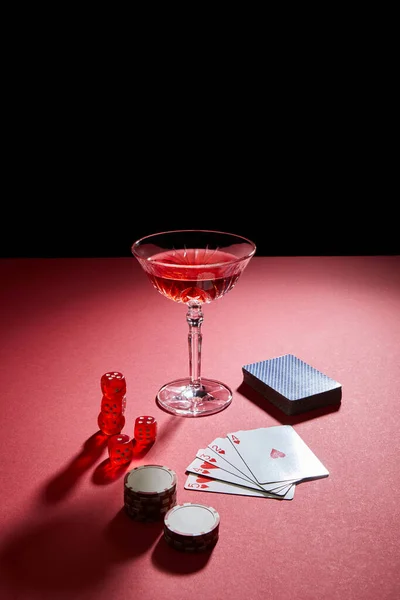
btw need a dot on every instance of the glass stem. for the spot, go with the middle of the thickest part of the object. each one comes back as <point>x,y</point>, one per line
<point>194,317</point>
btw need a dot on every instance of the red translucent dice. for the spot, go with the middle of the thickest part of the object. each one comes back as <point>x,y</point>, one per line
<point>111,424</point>
<point>120,449</point>
<point>145,430</point>
<point>115,406</point>
<point>113,384</point>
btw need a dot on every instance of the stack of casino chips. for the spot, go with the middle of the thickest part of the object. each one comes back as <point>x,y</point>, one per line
<point>149,492</point>
<point>191,527</point>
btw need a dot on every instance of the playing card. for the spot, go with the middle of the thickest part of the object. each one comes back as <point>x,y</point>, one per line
<point>216,463</point>
<point>205,484</point>
<point>211,470</point>
<point>277,454</point>
<point>216,459</point>
<point>225,450</point>
<point>222,448</point>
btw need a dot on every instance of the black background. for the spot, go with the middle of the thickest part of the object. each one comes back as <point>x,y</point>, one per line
<point>106,219</point>
<point>100,208</point>
<point>77,190</point>
<point>102,147</point>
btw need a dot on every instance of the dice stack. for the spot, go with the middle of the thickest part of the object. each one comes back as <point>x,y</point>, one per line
<point>111,419</point>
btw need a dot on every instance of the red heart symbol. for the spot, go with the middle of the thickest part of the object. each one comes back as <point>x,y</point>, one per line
<point>202,479</point>
<point>221,451</point>
<point>208,466</point>
<point>204,486</point>
<point>277,453</point>
<point>205,472</point>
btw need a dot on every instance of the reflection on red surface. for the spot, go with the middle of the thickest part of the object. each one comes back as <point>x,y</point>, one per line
<point>107,472</point>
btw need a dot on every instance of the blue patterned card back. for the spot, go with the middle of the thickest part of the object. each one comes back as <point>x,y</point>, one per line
<point>292,384</point>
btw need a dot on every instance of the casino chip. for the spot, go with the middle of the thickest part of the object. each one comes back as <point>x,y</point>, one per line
<point>191,527</point>
<point>149,492</point>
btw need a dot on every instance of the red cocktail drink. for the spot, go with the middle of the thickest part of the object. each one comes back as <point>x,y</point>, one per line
<point>196,274</point>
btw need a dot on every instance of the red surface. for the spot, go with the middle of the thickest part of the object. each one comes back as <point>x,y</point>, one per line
<point>64,534</point>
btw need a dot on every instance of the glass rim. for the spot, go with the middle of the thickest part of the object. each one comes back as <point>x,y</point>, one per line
<point>215,231</point>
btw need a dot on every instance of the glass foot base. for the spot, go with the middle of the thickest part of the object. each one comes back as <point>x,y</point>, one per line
<point>180,398</point>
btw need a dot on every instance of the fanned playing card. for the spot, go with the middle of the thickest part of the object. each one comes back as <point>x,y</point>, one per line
<point>223,448</point>
<point>206,484</point>
<point>212,471</point>
<point>277,454</point>
<point>265,462</point>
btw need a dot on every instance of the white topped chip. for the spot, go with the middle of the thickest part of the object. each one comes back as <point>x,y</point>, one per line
<point>150,479</point>
<point>192,519</point>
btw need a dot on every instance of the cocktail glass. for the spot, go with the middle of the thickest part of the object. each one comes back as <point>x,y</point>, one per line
<point>194,267</point>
